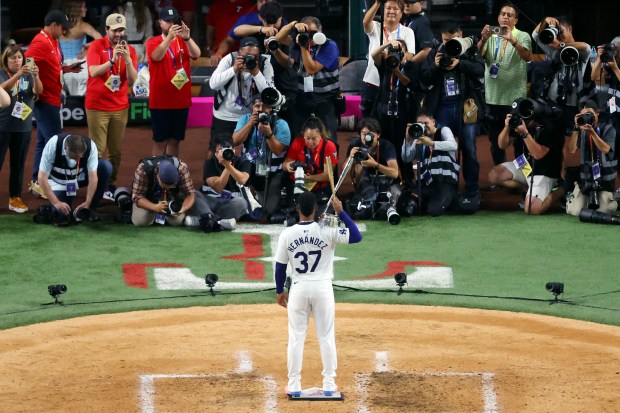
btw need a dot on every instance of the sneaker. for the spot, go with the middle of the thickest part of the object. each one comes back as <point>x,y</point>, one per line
<point>329,387</point>
<point>36,190</point>
<point>293,388</point>
<point>16,204</point>
<point>191,221</point>
<point>229,224</point>
<point>108,195</point>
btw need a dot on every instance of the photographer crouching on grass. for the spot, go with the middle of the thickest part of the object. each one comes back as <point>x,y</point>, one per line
<point>374,174</point>
<point>538,141</point>
<point>434,150</point>
<point>68,163</point>
<point>597,162</point>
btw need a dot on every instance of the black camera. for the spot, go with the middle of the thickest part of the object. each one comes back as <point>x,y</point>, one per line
<point>528,108</point>
<point>515,121</point>
<point>272,44</point>
<point>81,214</point>
<point>592,188</point>
<point>250,61</point>
<point>264,118</point>
<point>297,164</point>
<point>609,52</point>
<point>56,289</point>
<point>286,216</point>
<point>174,206</point>
<point>303,39</point>
<point>394,57</point>
<point>548,35</point>
<point>585,119</point>
<point>228,153</point>
<point>417,130</point>
<point>597,217</point>
<point>361,154</point>
<point>445,61</point>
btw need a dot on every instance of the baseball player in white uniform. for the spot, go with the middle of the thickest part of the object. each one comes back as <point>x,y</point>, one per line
<point>309,249</point>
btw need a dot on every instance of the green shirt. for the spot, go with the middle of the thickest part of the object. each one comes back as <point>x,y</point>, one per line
<point>511,81</point>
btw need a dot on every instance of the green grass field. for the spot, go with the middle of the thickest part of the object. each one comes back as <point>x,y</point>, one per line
<point>498,260</point>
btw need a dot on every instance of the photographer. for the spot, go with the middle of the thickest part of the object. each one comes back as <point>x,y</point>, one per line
<point>453,85</point>
<point>374,173</point>
<point>569,61</point>
<point>393,11</point>
<point>308,152</point>
<point>395,75</point>
<point>506,51</point>
<point>112,68</point>
<point>159,182</point>
<point>267,25</point>
<point>538,151</point>
<point>316,59</point>
<point>265,138</point>
<point>170,85</point>
<point>597,162</point>
<point>435,152</point>
<point>238,80</point>
<point>68,163</point>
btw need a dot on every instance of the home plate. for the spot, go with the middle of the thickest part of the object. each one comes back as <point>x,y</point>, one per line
<point>314,393</point>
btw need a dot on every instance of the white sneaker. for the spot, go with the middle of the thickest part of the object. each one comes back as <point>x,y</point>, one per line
<point>293,388</point>
<point>229,224</point>
<point>191,221</point>
<point>329,387</point>
<point>108,195</point>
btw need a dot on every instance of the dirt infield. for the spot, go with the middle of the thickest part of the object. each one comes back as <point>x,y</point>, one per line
<point>233,359</point>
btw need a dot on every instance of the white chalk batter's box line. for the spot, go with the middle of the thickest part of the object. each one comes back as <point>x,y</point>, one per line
<point>147,383</point>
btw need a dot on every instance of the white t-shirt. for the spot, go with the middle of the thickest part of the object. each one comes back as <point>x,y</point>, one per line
<point>402,32</point>
<point>309,248</point>
<point>49,155</point>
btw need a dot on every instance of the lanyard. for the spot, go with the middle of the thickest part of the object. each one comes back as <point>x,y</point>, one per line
<point>592,150</point>
<point>314,162</point>
<point>173,58</point>
<point>501,56</point>
<point>58,51</point>
<point>387,34</point>
<point>18,87</point>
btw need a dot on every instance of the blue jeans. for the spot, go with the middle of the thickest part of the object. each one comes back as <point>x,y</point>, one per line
<point>451,117</point>
<point>48,125</point>
<point>104,171</point>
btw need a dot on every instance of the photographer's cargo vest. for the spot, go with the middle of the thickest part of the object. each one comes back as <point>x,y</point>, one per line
<point>61,172</point>
<point>608,163</point>
<point>442,166</point>
<point>220,93</point>
<point>273,161</point>
<point>150,166</point>
<point>325,84</point>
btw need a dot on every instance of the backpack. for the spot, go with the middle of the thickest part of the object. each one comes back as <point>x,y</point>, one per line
<point>221,93</point>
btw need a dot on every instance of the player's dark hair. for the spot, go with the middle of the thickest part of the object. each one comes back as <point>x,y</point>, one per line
<point>450,26</point>
<point>271,12</point>
<point>315,123</point>
<point>306,203</point>
<point>372,124</point>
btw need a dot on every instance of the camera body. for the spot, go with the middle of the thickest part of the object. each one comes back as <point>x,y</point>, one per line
<point>361,155</point>
<point>585,119</point>
<point>515,121</point>
<point>263,118</point>
<point>303,39</point>
<point>609,52</point>
<point>394,57</point>
<point>417,130</point>
<point>272,44</point>
<point>228,153</point>
<point>445,61</point>
<point>250,61</point>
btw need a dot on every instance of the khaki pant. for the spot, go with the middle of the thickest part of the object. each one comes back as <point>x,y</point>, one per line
<point>579,201</point>
<point>141,217</point>
<point>107,130</point>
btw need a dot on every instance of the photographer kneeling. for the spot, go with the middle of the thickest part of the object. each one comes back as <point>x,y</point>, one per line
<point>435,152</point>
<point>374,173</point>
<point>69,162</point>
<point>538,151</point>
<point>305,162</point>
<point>597,162</point>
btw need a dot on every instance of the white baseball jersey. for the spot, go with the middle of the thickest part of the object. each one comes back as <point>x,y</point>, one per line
<point>308,248</point>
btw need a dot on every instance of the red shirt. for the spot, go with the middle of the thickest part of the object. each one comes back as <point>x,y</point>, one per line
<point>98,95</point>
<point>297,152</point>
<point>46,53</point>
<point>163,94</point>
<point>223,14</point>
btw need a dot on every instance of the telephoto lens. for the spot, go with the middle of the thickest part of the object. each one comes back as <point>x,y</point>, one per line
<point>228,154</point>
<point>417,130</point>
<point>548,35</point>
<point>81,214</point>
<point>392,216</point>
<point>272,44</point>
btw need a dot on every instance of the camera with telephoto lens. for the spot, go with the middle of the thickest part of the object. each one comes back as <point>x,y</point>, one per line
<point>592,188</point>
<point>392,215</point>
<point>303,39</point>
<point>609,52</point>
<point>598,217</point>
<point>361,154</point>
<point>228,153</point>
<point>417,130</point>
<point>264,118</point>
<point>585,119</point>
<point>81,214</point>
<point>272,97</point>
<point>569,55</point>
<point>300,177</point>
<point>250,61</point>
<point>272,44</point>
<point>528,108</point>
<point>394,57</point>
<point>548,35</point>
<point>458,46</point>
<point>174,206</point>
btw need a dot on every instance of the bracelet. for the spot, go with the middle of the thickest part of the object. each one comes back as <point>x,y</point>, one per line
<point>260,30</point>
<point>524,136</point>
<point>187,40</point>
